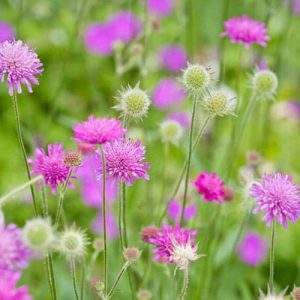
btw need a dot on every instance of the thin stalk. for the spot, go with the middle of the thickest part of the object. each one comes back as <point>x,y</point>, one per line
<point>272,255</point>
<point>187,177</point>
<point>82,280</point>
<point>18,189</point>
<point>61,198</point>
<point>123,197</point>
<point>164,171</point>
<point>50,274</point>
<point>119,276</point>
<point>185,284</point>
<point>23,150</point>
<point>120,217</point>
<point>104,216</point>
<point>73,271</point>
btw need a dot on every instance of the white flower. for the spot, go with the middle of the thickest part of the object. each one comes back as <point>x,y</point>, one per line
<point>272,295</point>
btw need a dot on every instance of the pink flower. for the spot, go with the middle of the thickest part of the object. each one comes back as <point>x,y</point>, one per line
<point>51,166</point>
<point>246,31</point>
<point>6,32</point>
<point>160,8</point>
<point>112,228</point>
<point>173,58</point>
<point>98,131</point>
<point>168,239</point>
<point>295,5</point>
<point>125,160</point>
<point>174,211</point>
<point>9,291</point>
<point>210,186</point>
<point>278,197</point>
<point>181,117</point>
<point>19,64</point>
<point>14,255</point>
<point>167,93</point>
<point>253,249</point>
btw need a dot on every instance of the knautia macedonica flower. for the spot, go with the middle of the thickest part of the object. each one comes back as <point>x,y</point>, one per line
<point>246,31</point>
<point>252,250</point>
<point>175,245</point>
<point>38,235</point>
<point>278,197</point>
<point>271,295</point>
<point>265,84</point>
<point>98,131</point>
<point>14,254</point>
<point>19,64</point>
<point>9,290</point>
<point>6,32</point>
<point>174,211</point>
<point>219,103</point>
<point>50,165</point>
<point>148,233</point>
<point>133,103</point>
<point>168,93</point>
<point>210,186</point>
<point>125,160</point>
<point>171,132</point>
<point>173,58</point>
<point>196,79</point>
<point>160,8</point>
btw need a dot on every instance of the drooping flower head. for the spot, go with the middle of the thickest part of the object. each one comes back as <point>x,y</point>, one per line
<point>14,255</point>
<point>246,31</point>
<point>160,8</point>
<point>98,131</point>
<point>6,32</point>
<point>19,64</point>
<point>173,58</point>
<point>278,197</point>
<point>168,93</point>
<point>210,186</point>
<point>174,211</point>
<point>125,160</point>
<point>50,165</point>
<point>253,249</point>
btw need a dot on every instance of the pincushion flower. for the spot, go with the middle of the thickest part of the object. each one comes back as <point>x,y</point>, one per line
<point>19,64</point>
<point>253,249</point>
<point>98,131</point>
<point>246,31</point>
<point>6,32</point>
<point>173,58</point>
<point>210,186</point>
<point>51,166</point>
<point>14,255</point>
<point>278,197</point>
<point>125,160</point>
<point>160,8</point>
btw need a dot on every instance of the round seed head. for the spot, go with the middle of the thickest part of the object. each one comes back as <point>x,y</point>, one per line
<point>265,84</point>
<point>171,132</point>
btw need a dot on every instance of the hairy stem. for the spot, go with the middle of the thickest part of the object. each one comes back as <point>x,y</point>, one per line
<point>185,284</point>
<point>50,274</point>
<point>272,255</point>
<point>82,280</point>
<point>73,271</point>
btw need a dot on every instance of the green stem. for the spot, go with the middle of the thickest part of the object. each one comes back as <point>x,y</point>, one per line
<point>187,177</point>
<point>82,280</point>
<point>73,271</point>
<point>120,217</point>
<point>23,150</point>
<point>104,216</point>
<point>272,255</point>
<point>50,274</point>
<point>185,284</point>
<point>123,198</point>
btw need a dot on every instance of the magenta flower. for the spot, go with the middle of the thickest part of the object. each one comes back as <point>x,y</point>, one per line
<point>181,117</point>
<point>253,249</point>
<point>125,160</point>
<point>6,32</point>
<point>168,239</point>
<point>98,131</point>
<point>9,291</point>
<point>173,58</point>
<point>160,8</point>
<point>278,197</point>
<point>246,31</point>
<point>112,227</point>
<point>14,255</point>
<point>50,165</point>
<point>174,211</point>
<point>210,186</point>
<point>19,64</point>
<point>168,93</point>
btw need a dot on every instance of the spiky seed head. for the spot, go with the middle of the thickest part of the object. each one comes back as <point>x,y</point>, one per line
<point>131,254</point>
<point>133,103</point>
<point>72,158</point>
<point>271,295</point>
<point>38,234</point>
<point>144,295</point>
<point>265,84</point>
<point>171,132</point>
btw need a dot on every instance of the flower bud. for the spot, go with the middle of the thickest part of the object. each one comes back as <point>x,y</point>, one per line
<point>144,295</point>
<point>72,158</point>
<point>98,244</point>
<point>148,233</point>
<point>131,254</point>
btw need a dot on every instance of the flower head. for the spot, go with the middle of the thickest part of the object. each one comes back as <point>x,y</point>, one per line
<point>278,197</point>
<point>19,64</point>
<point>253,249</point>
<point>6,32</point>
<point>98,131</point>
<point>210,186</point>
<point>131,254</point>
<point>271,295</point>
<point>246,31</point>
<point>73,158</point>
<point>148,233</point>
<point>168,93</point>
<point>125,160</point>
<point>265,84</point>
<point>160,8</point>
<point>296,293</point>
<point>51,166</point>
<point>173,57</point>
<point>171,132</point>
<point>14,254</point>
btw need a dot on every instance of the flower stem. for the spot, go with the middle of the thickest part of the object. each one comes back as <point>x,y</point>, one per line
<point>272,255</point>
<point>185,284</point>
<point>123,199</point>
<point>73,271</point>
<point>23,150</point>
<point>82,280</point>
<point>188,161</point>
<point>50,275</point>
<point>120,218</point>
<point>104,215</point>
